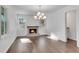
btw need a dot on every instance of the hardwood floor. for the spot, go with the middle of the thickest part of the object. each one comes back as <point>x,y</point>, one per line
<point>41,44</point>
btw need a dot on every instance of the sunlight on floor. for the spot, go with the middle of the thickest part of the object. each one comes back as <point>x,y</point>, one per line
<point>25,40</point>
<point>53,36</point>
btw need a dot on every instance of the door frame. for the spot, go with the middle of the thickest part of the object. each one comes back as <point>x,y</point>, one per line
<point>66,25</point>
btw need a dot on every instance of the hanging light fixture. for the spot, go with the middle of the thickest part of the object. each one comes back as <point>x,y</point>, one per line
<point>39,15</point>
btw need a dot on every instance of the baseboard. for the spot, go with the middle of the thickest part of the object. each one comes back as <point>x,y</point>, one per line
<point>71,39</point>
<point>63,40</point>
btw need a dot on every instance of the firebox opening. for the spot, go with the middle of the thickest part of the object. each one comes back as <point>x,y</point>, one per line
<point>32,31</point>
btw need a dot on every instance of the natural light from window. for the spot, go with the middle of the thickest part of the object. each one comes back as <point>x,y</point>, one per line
<point>25,40</point>
<point>53,36</point>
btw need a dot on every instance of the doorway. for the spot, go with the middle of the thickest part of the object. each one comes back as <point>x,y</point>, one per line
<point>70,25</point>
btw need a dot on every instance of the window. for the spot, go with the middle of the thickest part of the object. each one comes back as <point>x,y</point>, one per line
<point>3,16</point>
<point>21,19</point>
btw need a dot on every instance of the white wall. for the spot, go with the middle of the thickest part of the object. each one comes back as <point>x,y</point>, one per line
<point>11,20</point>
<point>30,21</point>
<point>8,38</point>
<point>77,26</point>
<point>0,27</point>
<point>56,22</point>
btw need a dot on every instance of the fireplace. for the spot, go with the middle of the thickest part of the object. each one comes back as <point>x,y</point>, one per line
<point>33,30</point>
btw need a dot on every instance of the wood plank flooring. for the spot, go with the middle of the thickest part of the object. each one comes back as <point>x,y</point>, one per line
<point>41,44</point>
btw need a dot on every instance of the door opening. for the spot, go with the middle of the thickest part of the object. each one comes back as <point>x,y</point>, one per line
<point>70,25</point>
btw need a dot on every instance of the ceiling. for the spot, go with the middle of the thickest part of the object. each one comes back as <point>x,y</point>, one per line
<point>31,9</point>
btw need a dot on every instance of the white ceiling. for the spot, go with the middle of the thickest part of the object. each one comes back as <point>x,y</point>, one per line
<point>31,9</point>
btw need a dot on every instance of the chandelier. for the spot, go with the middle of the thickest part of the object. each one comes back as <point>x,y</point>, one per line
<point>40,15</point>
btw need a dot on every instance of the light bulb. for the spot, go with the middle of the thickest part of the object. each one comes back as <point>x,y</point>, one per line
<point>39,18</point>
<point>42,14</point>
<point>38,13</point>
<point>35,17</point>
<point>44,17</point>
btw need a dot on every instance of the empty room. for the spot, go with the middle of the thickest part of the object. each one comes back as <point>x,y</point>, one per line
<point>39,29</point>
